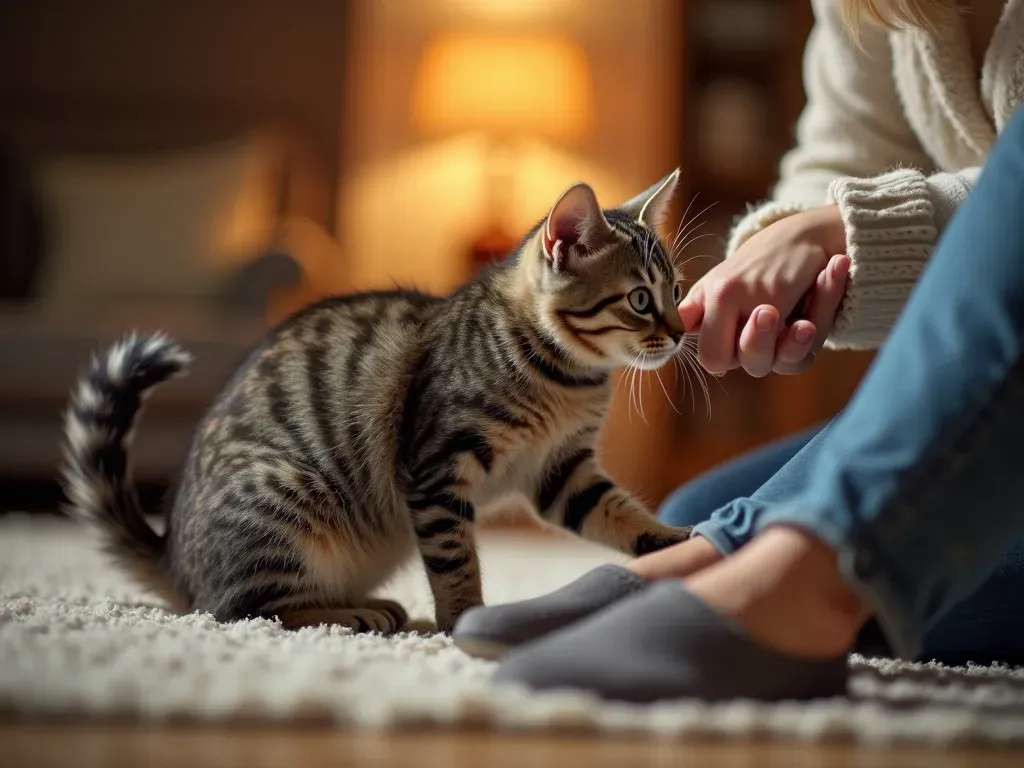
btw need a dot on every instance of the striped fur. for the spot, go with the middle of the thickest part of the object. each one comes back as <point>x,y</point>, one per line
<point>368,427</point>
<point>99,423</point>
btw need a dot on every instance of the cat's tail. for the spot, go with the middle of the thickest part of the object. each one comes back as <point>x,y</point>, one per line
<point>98,429</point>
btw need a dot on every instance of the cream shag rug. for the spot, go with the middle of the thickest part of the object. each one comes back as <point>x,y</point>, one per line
<point>76,638</point>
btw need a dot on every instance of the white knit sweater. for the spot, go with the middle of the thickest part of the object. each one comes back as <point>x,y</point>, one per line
<point>895,132</point>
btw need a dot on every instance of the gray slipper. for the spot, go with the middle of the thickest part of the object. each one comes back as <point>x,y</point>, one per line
<point>666,643</point>
<point>490,631</point>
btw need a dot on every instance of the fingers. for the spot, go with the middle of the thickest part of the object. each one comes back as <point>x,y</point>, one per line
<point>691,309</point>
<point>828,295</point>
<point>716,347</point>
<point>798,346</point>
<point>715,312</point>
<point>756,348</point>
<point>795,351</point>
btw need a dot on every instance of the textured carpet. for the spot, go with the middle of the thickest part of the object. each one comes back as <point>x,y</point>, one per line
<point>77,639</point>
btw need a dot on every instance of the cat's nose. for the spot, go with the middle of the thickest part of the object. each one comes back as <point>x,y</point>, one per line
<point>676,336</point>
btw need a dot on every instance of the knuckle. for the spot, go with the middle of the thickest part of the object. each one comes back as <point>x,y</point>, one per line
<point>714,368</point>
<point>757,371</point>
<point>712,358</point>
<point>723,287</point>
<point>791,367</point>
<point>713,364</point>
<point>790,355</point>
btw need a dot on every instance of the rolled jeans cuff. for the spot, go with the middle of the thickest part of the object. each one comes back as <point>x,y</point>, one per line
<point>732,526</point>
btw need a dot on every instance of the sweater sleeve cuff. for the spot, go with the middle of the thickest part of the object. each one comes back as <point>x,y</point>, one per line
<point>890,232</point>
<point>757,219</point>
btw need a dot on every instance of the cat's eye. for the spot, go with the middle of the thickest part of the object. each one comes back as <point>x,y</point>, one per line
<point>677,294</point>
<point>641,301</point>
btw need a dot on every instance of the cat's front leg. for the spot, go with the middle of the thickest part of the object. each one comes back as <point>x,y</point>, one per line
<point>443,523</point>
<point>577,495</point>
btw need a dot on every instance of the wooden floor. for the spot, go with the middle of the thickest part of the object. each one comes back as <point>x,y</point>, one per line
<point>82,745</point>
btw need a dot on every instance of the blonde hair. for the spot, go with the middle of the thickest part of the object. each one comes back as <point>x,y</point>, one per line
<point>895,14</point>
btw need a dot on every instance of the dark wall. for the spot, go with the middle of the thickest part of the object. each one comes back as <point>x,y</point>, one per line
<point>120,74</point>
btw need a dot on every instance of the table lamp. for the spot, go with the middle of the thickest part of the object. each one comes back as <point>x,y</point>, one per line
<point>510,87</point>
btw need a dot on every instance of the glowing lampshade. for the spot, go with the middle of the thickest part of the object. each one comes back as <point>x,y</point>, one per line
<point>505,85</point>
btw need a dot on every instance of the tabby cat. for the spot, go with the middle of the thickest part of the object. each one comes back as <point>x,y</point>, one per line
<point>367,426</point>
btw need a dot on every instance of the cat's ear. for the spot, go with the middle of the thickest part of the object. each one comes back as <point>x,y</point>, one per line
<point>575,227</point>
<point>651,205</point>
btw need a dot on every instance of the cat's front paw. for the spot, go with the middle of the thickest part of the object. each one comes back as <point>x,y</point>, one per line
<point>446,620</point>
<point>652,541</point>
<point>420,627</point>
<point>446,625</point>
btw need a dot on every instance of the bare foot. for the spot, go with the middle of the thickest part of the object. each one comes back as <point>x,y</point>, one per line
<point>676,562</point>
<point>786,589</point>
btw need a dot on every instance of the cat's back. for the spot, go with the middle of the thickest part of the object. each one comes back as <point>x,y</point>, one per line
<point>338,344</point>
<point>354,326</point>
<point>324,383</point>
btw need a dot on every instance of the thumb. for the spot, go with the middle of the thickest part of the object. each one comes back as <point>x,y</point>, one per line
<point>691,309</point>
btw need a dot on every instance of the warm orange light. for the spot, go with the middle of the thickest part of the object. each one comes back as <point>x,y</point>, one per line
<point>504,84</point>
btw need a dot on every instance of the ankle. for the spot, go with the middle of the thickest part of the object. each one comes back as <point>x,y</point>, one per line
<point>786,588</point>
<point>677,561</point>
<point>814,570</point>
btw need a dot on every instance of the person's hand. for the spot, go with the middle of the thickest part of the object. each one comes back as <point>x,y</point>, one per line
<point>765,346</point>
<point>739,305</point>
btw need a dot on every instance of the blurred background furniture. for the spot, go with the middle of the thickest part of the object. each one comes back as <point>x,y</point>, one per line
<point>206,166</point>
<point>742,69</point>
<point>163,166</point>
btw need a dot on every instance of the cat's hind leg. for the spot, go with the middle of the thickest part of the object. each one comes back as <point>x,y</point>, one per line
<point>384,616</point>
<point>296,610</point>
<point>276,542</point>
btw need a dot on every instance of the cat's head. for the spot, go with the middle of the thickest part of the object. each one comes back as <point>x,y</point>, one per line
<point>604,284</point>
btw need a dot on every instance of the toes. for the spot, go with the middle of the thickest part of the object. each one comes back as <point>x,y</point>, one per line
<point>397,612</point>
<point>372,620</point>
<point>387,617</point>
<point>397,615</point>
<point>421,626</point>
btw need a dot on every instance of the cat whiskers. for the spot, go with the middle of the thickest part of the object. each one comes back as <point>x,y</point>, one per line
<point>671,402</point>
<point>630,375</point>
<point>688,233</point>
<point>687,227</point>
<point>692,370</point>
<point>636,383</point>
<point>695,257</point>
<point>690,241</point>
<point>682,221</point>
<point>682,373</point>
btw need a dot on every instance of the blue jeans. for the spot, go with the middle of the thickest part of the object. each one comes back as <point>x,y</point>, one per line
<point>986,626</point>
<point>914,484</point>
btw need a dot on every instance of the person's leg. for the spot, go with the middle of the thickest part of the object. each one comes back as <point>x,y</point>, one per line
<point>909,504</point>
<point>981,628</point>
<point>490,631</point>
<point>750,473</point>
<point>984,627</point>
<point>731,495</point>
<point>885,444</point>
<point>917,488</point>
<point>988,625</point>
<point>749,481</point>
